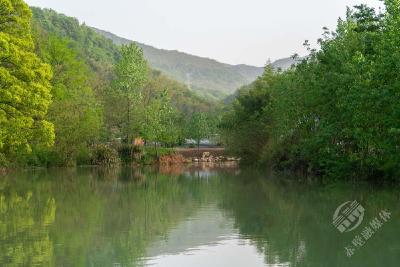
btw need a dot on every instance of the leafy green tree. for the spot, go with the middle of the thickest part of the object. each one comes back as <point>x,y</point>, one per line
<point>161,121</point>
<point>100,55</point>
<point>244,126</point>
<point>131,72</point>
<point>75,111</point>
<point>24,83</point>
<point>337,112</point>
<point>198,127</point>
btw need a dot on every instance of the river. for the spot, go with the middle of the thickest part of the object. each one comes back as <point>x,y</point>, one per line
<point>206,216</point>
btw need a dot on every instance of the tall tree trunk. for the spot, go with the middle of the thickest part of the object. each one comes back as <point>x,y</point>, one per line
<point>129,121</point>
<point>128,130</point>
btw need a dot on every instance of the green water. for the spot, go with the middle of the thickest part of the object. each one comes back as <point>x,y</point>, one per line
<point>192,216</point>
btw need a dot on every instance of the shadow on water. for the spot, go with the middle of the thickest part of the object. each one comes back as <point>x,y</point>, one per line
<point>188,215</point>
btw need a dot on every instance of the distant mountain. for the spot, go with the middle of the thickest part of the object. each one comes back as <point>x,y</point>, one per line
<point>281,64</point>
<point>285,63</point>
<point>205,76</point>
<point>101,54</point>
<point>202,74</point>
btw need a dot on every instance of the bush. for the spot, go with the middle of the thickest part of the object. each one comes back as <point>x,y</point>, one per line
<point>104,155</point>
<point>40,157</point>
<point>130,153</point>
<point>160,151</point>
<point>3,160</point>
<point>151,154</point>
<point>84,156</point>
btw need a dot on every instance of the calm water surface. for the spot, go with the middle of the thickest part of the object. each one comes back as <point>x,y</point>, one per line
<point>189,216</point>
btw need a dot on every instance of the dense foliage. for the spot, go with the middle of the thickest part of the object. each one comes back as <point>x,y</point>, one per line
<point>200,126</point>
<point>337,112</point>
<point>206,76</point>
<point>24,85</point>
<point>75,112</point>
<point>100,54</point>
<point>67,91</point>
<point>131,74</point>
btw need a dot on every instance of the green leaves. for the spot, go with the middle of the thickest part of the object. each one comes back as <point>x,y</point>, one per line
<point>337,112</point>
<point>131,70</point>
<point>199,127</point>
<point>75,111</point>
<point>25,83</point>
<point>161,120</point>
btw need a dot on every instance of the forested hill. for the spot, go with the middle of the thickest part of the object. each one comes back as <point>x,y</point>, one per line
<point>101,54</point>
<point>205,75</point>
<point>208,76</point>
<point>70,96</point>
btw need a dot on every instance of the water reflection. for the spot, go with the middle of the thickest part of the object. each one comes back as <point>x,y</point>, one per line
<point>184,216</point>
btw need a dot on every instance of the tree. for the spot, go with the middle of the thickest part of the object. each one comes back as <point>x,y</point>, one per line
<point>131,72</point>
<point>24,83</point>
<point>244,126</point>
<point>198,127</point>
<point>335,113</point>
<point>160,123</point>
<point>75,112</point>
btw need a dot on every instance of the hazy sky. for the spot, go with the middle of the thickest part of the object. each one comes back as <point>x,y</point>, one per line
<point>231,31</point>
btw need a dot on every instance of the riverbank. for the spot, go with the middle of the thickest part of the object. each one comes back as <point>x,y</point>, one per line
<point>190,155</point>
<point>104,155</point>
